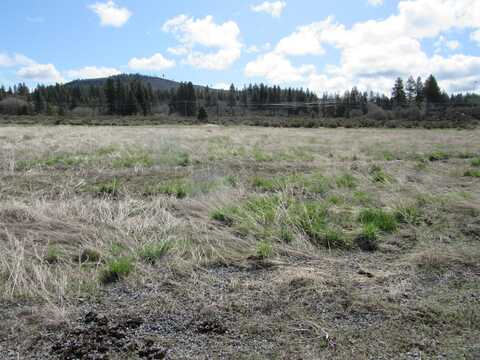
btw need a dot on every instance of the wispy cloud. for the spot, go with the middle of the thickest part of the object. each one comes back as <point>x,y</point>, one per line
<point>273,8</point>
<point>111,14</point>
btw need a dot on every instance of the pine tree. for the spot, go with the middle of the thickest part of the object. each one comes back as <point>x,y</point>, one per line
<point>232,96</point>
<point>110,95</point>
<point>420,92</point>
<point>432,91</point>
<point>398,93</point>
<point>202,114</point>
<point>411,88</point>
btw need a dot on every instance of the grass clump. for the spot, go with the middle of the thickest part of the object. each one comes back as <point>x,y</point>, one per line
<point>265,184</point>
<point>116,269</point>
<point>53,255</point>
<point>264,249</point>
<point>110,188</point>
<point>438,156</point>
<point>224,215</point>
<point>383,220</point>
<point>312,219</point>
<point>151,253</point>
<point>408,214</point>
<point>472,173</point>
<point>368,239</point>
<point>89,255</point>
<point>362,198</point>
<point>347,181</point>
<point>132,159</point>
<point>379,175</point>
<point>475,162</point>
<point>177,188</point>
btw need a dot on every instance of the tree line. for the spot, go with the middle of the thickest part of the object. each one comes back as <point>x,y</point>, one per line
<point>128,95</point>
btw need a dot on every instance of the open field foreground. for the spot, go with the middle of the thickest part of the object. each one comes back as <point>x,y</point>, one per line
<point>239,243</point>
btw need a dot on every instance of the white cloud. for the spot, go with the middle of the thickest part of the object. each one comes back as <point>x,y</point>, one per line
<point>277,68</point>
<point>178,51</point>
<point>111,14</point>
<point>46,73</point>
<point>443,44</point>
<point>14,60</point>
<point>274,8</point>
<point>375,2</point>
<point>475,36</point>
<point>155,63</point>
<point>222,86</point>
<point>92,72</point>
<point>373,52</point>
<point>192,33</point>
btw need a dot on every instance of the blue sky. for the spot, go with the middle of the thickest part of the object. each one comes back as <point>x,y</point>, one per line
<point>326,46</point>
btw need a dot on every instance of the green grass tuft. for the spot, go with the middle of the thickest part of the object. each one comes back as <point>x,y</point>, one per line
<point>379,175</point>
<point>408,214</point>
<point>472,173</point>
<point>53,255</point>
<point>264,249</point>
<point>475,162</point>
<point>110,188</point>
<point>383,220</point>
<point>116,269</point>
<point>151,253</point>
<point>438,156</point>
<point>346,181</point>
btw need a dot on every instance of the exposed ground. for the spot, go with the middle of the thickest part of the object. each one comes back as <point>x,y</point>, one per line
<point>239,243</point>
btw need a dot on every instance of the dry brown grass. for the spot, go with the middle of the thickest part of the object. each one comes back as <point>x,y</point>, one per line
<point>113,192</point>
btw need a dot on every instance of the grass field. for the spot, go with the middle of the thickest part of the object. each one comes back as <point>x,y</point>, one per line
<point>239,243</point>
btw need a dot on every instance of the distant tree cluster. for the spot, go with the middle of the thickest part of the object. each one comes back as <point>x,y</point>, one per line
<point>131,95</point>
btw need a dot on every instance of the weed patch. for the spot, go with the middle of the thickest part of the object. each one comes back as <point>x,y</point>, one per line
<point>383,220</point>
<point>151,253</point>
<point>347,181</point>
<point>116,269</point>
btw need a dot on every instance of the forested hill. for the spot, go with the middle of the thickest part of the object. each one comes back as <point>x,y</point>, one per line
<point>155,82</point>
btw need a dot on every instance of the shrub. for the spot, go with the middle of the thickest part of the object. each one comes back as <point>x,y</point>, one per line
<point>151,253</point>
<point>379,218</point>
<point>202,114</point>
<point>376,112</point>
<point>116,269</point>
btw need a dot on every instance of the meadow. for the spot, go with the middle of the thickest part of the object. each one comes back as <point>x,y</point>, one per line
<point>239,243</point>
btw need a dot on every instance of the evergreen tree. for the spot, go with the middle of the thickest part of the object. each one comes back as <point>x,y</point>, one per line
<point>398,94</point>
<point>420,92</point>
<point>411,88</point>
<point>110,95</point>
<point>432,91</point>
<point>232,96</point>
<point>202,114</point>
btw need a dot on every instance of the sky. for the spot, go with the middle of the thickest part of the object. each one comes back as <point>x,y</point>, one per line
<point>321,45</point>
